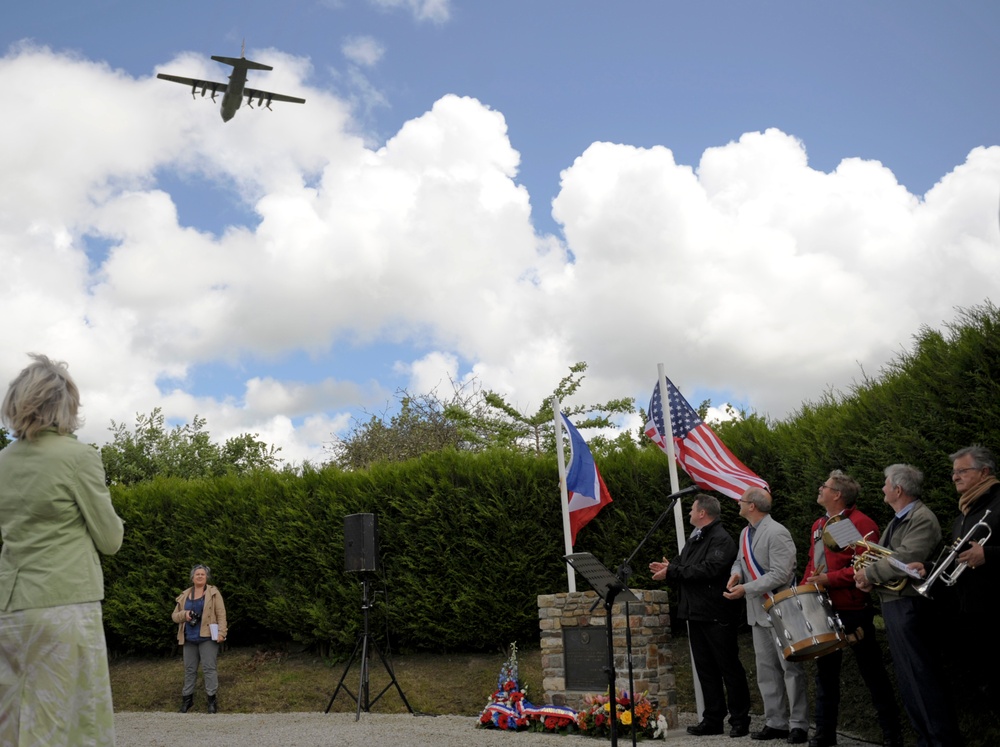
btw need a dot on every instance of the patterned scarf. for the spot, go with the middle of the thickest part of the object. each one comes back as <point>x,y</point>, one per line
<point>970,496</point>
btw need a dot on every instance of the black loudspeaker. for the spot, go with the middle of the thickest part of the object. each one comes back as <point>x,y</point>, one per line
<point>361,543</point>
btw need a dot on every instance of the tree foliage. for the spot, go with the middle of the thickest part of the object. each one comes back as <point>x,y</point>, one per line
<point>470,419</point>
<point>425,423</point>
<point>150,450</point>
<point>535,430</point>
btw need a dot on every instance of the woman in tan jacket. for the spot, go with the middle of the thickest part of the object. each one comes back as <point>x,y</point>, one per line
<point>200,615</point>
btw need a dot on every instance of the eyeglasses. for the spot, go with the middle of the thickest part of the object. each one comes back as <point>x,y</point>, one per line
<point>744,500</point>
<point>957,472</point>
<point>824,486</point>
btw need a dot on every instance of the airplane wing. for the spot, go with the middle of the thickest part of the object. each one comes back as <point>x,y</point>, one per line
<point>195,83</point>
<point>259,97</point>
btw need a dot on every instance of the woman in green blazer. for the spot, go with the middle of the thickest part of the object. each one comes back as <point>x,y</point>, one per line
<point>55,516</point>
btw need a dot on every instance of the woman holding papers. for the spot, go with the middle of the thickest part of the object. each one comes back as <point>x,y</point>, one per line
<point>200,615</point>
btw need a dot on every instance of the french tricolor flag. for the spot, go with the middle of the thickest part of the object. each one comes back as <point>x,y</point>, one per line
<point>586,489</point>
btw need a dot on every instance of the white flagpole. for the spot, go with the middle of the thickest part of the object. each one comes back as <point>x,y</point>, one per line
<point>563,492</point>
<point>699,699</point>
<point>669,438</point>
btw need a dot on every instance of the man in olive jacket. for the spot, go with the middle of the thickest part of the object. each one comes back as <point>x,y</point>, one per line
<point>699,576</point>
<point>912,536</point>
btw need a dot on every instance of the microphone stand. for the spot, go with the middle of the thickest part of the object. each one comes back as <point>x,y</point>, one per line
<point>623,573</point>
<point>676,497</point>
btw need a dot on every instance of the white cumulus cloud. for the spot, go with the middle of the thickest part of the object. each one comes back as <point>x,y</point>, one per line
<point>748,273</point>
<point>363,50</point>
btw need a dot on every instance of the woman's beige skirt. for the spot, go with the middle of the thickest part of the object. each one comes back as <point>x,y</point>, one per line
<point>55,690</point>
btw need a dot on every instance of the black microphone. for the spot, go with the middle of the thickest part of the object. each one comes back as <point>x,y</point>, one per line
<point>686,491</point>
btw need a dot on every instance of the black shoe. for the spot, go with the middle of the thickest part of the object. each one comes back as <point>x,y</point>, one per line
<point>213,704</point>
<point>700,730</point>
<point>892,740</point>
<point>798,736</point>
<point>823,741</point>
<point>739,730</point>
<point>769,732</point>
<point>186,702</point>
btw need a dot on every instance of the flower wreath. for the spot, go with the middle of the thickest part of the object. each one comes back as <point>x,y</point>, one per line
<point>509,709</point>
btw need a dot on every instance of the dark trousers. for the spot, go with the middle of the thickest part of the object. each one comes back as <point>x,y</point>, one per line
<point>975,660</point>
<point>872,668</point>
<point>717,658</point>
<point>919,674</point>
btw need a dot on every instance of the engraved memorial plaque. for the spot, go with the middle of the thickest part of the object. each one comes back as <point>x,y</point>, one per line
<point>585,653</point>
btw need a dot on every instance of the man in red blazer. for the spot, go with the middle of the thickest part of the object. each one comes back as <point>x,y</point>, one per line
<point>832,567</point>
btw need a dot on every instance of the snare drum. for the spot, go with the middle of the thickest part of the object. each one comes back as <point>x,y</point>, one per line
<point>805,625</point>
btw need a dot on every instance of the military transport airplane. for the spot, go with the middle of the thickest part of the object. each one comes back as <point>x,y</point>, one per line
<point>236,89</point>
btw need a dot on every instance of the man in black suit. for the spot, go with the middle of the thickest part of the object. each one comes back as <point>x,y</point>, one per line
<point>699,576</point>
<point>974,476</point>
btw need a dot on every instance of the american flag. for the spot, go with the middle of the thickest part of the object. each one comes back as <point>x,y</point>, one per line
<point>699,451</point>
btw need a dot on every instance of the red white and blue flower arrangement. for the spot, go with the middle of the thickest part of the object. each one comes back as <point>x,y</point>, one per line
<point>509,709</point>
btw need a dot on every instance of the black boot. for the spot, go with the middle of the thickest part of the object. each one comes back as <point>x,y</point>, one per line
<point>186,702</point>
<point>213,705</point>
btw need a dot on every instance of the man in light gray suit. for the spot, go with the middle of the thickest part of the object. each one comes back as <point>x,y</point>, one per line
<point>765,564</point>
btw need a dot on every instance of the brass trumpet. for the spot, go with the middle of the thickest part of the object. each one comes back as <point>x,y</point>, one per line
<point>871,555</point>
<point>953,551</point>
<point>872,552</point>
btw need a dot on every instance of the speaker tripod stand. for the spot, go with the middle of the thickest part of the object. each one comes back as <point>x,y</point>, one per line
<point>364,645</point>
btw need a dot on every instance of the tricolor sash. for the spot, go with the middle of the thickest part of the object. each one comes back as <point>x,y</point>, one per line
<point>754,569</point>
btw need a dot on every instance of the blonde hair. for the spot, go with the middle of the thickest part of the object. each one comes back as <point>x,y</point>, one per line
<point>42,396</point>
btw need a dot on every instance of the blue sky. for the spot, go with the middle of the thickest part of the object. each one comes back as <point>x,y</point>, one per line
<point>768,198</point>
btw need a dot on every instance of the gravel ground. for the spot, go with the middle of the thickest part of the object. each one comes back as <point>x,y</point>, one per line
<point>375,730</point>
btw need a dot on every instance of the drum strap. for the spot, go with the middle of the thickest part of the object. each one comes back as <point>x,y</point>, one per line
<point>819,550</point>
<point>754,569</point>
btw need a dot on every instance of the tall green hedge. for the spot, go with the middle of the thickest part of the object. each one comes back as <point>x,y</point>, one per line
<point>468,541</point>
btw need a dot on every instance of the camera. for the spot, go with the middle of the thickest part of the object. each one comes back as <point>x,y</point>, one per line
<point>195,618</point>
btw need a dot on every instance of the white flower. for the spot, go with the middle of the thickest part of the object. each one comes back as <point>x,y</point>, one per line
<point>661,728</point>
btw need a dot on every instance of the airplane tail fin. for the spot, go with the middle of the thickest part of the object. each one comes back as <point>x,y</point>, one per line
<point>242,62</point>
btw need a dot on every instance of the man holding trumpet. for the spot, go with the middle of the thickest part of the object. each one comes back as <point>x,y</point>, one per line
<point>832,567</point>
<point>911,536</point>
<point>975,571</point>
